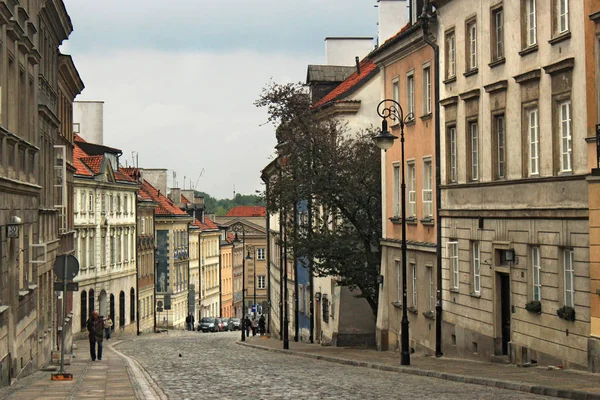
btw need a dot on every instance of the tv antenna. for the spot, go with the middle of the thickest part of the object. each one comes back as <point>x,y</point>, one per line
<point>199,176</point>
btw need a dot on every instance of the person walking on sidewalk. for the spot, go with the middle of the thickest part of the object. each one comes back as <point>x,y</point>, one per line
<point>107,327</point>
<point>247,325</point>
<point>95,327</point>
<point>254,326</point>
<point>261,325</point>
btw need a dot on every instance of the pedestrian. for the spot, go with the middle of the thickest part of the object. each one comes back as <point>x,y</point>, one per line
<point>261,325</point>
<point>247,325</point>
<point>254,326</point>
<point>188,322</point>
<point>107,327</point>
<point>95,327</point>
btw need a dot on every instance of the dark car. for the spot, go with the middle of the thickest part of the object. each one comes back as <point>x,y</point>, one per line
<point>236,324</point>
<point>208,324</point>
<point>227,324</point>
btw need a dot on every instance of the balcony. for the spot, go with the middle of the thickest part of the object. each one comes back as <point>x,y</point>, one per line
<point>48,99</point>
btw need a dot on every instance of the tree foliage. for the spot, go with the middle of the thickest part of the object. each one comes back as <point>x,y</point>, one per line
<point>220,207</point>
<point>338,173</point>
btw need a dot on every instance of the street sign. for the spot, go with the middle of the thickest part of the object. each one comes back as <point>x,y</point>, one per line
<point>12,231</point>
<point>71,286</point>
<point>72,268</point>
<point>253,308</point>
<point>159,306</point>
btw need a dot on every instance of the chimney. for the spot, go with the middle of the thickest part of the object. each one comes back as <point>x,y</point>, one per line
<point>88,120</point>
<point>175,195</point>
<point>342,50</point>
<point>393,15</point>
<point>357,65</point>
<point>157,177</point>
<point>188,194</point>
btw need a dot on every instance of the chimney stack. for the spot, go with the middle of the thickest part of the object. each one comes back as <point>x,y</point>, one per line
<point>393,15</point>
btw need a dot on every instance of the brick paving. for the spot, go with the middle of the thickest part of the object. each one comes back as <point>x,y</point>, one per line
<point>540,380</point>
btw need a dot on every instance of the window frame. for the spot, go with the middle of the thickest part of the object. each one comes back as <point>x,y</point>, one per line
<point>396,190</point>
<point>569,137</point>
<point>410,95</point>
<point>530,23</point>
<point>471,45</point>
<point>431,289</point>
<point>473,149</point>
<point>412,188</point>
<point>499,151</point>
<point>569,271</point>
<point>476,264</point>
<point>452,155</point>
<point>426,89</point>
<point>453,264</point>
<point>497,22</point>
<point>560,13</point>
<point>534,143</point>
<point>262,282</point>
<point>427,188</point>
<point>450,53</point>
<point>260,253</point>
<point>414,294</point>
<point>536,273</point>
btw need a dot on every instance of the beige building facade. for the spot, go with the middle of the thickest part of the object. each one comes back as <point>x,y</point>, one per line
<point>514,194</point>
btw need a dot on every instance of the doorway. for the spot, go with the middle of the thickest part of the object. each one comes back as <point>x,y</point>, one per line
<point>505,311</point>
<point>102,303</point>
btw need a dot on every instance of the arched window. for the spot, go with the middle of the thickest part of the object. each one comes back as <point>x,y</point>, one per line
<point>132,305</point>
<point>122,309</point>
<point>83,309</point>
<point>91,302</point>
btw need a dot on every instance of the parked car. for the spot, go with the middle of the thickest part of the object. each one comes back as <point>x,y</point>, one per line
<point>236,324</point>
<point>227,324</point>
<point>208,324</point>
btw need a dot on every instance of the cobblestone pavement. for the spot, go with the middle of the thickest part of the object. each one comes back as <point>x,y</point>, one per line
<point>212,364</point>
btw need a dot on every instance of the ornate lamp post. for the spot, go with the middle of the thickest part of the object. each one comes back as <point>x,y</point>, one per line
<point>385,141</point>
<point>239,227</point>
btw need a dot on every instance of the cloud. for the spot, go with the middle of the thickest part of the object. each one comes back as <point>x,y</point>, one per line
<point>189,111</point>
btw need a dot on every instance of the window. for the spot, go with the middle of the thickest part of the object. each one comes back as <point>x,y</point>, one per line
<point>412,187</point>
<point>399,282</point>
<point>569,278</point>
<point>301,301</point>
<point>118,204</point>
<point>396,188</point>
<point>83,206</point>
<point>260,253</point>
<point>476,268</point>
<point>91,202</point>
<point>453,259</point>
<point>427,191</point>
<point>472,45</point>
<point>497,34</point>
<point>262,283</point>
<point>91,252</point>
<point>431,289</point>
<point>450,55</point>
<point>536,268</point>
<point>500,147</point>
<point>410,95</point>
<point>452,154</point>
<point>473,144</point>
<point>427,90</point>
<point>534,142</point>
<point>143,225</point>
<point>413,268</point>
<point>396,90</point>
<point>531,23</point>
<point>126,198</point>
<point>562,16</point>
<point>103,204</point>
<point>112,204</point>
<point>565,135</point>
<point>113,250</point>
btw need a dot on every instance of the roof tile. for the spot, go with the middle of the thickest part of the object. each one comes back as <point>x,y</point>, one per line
<point>247,211</point>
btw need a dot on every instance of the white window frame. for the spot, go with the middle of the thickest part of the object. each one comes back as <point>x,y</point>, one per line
<point>431,290</point>
<point>398,264</point>
<point>531,30</point>
<point>427,89</point>
<point>410,95</point>
<point>536,273</point>
<point>474,138</point>
<point>427,191</point>
<point>83,204</point>
<point>91,203</point>
<point>453,155</point>
<point>569,275</point>
<point>476,268</point>
<point>396,89</point>
<point>452,251</point>
<point>501,146</point>
<point>534,141</point>
<point>472,37</point>
<point>412,188</point>
<point>499,28</point>
<point>566,138</point>
<point>396,187</point>
<point>262,282</point>
<point>451,54</point>
<point>413,269</point>
<point>260,253</point>
<point>563,16</point>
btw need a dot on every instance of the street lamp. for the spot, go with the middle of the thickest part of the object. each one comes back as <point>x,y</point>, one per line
<point>239,227</point>
<point>249,257</point>
<point>384,141</point>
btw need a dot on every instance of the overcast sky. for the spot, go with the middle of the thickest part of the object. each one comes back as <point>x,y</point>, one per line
<point>179,77</point>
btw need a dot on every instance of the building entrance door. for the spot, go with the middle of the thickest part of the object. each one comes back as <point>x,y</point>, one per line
<point>505,311</point>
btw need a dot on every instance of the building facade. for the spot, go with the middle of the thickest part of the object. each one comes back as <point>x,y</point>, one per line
<point>227,274</point>
<point>515,222</point>
<point>210,267</point>
<point>105,238</point>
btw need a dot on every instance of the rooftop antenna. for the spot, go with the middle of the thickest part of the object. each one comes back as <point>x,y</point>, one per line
<point>196,185</point>
<point>234,191</point>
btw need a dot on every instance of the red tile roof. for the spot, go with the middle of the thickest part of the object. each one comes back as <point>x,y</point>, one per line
<point>207,225</point>
<point>184,200</point>
<point>247,211</point>
<point>80,168</point>
<point>165,205</point>
<point>366,68</point>
<point>94,163</point>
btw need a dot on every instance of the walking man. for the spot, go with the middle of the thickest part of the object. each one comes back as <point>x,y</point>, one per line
<point>261,325</point>
<point>107,327</point>
<point>95,327</point>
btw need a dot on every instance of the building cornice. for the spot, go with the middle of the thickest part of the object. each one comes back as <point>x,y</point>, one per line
<point>560,66</point>
<point>449,101</point>
<point>534,74</point>
<point>496,86</point>
<point>470,95</point>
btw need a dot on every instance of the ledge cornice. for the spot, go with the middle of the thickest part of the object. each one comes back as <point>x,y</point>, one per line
<point>560,66</point>
<point>471,94</point>
<point>496,86</point>
<point>533,75</point>
<point>449,101</point>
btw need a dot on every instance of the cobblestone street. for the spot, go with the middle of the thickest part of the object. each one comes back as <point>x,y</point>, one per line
<point>212,364</point>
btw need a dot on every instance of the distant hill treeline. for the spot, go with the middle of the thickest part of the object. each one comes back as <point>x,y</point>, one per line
<point>221,206</point>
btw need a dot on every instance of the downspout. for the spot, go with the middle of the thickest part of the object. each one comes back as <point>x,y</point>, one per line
<point>154,261</point>
<point>220,282</point>
<point>268,225</point>
<point>296,268</point>
<point>137,267</point>
<point>438,179</point>
<point>280,264</point>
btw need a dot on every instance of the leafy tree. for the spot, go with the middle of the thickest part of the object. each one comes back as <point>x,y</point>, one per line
<point>338,173</point>
<point>222,206</point>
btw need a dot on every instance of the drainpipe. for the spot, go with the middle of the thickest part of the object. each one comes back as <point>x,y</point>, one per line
<point>268,225</point>
<point>220,283</point>
<point>137,269</point>
<point>425,21</point>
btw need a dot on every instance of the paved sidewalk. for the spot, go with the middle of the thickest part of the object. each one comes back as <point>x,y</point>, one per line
<point>114,377</point>
<point>537,380</point>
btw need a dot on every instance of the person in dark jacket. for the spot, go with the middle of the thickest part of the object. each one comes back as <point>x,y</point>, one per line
<point>248,325</point>
<point>95,327</point>
<point>261,325</point>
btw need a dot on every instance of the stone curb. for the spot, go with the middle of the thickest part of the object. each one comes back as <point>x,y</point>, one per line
<point>143,385</point>
<point>497,383</point>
